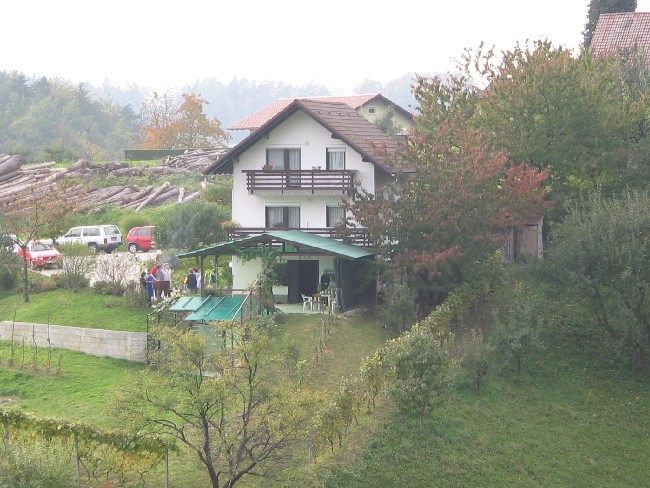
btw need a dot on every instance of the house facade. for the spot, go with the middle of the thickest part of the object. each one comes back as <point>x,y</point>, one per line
<point>293,173</point>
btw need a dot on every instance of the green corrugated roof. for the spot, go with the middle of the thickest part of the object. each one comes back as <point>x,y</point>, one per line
<point>187,304</point>
<point>318,243</point>
<point>218,308</point>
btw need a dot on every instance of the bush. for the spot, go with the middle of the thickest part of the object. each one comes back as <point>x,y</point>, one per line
<point>9,269</point>
<point>109,288</point>
<point>128,222</point>
<point>136,298</point>
<point>37,465</point>
<point>39,283</point>
<point>71,281</point>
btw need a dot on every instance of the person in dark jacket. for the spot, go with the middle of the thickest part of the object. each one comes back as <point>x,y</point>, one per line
<point>324,281</point>
<point>190,282</point>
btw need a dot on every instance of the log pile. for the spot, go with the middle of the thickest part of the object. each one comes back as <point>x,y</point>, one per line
<point>18,182</point>
<point>194,161</point>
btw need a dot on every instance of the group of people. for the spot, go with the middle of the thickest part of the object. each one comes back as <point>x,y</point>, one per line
<point>157,282</point>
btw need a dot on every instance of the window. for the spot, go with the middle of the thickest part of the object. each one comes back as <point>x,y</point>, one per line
<point>283,217</point>
<point>91,231</point>
<point>372,110</point>
<point>283,158</point>
<point>335,216</point>
<point>282,274</point>
<point>74,233</point>
<point>335,158</point>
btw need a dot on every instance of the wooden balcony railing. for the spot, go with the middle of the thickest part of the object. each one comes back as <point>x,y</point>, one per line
<point>300,181</point>
<point>358,237</point>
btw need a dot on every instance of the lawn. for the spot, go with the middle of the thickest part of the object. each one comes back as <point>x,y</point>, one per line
<point>78,387</point>
<point>83,309</point>
<point>563,422</point>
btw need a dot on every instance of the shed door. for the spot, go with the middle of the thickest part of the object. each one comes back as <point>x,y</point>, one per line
<point>303,279</point>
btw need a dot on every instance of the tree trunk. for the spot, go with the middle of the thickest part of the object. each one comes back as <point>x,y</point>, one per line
<point>25,277</point>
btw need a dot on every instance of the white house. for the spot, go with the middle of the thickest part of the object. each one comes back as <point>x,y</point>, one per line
<point>290,177</point>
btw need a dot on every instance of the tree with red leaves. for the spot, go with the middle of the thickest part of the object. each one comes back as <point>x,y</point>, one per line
<point>450,217</point>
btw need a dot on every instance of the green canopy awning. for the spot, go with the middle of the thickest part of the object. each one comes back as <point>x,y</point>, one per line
<point>298,240</point>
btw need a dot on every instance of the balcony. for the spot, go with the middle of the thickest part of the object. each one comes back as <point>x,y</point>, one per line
<point>300,182</point>
<point>358,237</point>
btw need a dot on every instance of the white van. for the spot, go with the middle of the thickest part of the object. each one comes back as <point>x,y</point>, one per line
<point>97,237</point>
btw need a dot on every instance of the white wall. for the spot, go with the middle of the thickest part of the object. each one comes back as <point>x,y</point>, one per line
<point>301,131</point>
<point>117,344</point>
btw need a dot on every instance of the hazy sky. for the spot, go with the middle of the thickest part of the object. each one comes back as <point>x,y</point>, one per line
<point>164,44</point>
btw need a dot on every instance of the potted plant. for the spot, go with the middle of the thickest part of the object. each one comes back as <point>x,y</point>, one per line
<point>315,168</point>
<point>267,167</point>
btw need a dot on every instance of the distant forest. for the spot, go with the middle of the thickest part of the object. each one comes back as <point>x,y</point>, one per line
<point>45,119</point>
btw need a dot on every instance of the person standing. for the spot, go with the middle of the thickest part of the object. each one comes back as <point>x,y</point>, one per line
<point>149,281</point>
<point>158,284</point>
<point>199,278</point>
<point>324,281</point>
<point>167,280</point>
<point>190,282</point>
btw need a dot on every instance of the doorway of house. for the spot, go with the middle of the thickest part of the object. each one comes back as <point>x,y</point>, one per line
<point>303,279</point>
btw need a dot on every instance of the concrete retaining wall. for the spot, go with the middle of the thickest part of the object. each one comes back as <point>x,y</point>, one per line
<point>131,346</point>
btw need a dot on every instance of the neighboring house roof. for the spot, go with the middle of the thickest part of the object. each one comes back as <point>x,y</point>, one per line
<point>259,118</point>
<point>621,31</point>
<point>342,121</point>
<point>297,238</point>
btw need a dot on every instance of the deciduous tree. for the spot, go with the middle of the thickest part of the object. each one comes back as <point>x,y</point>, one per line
<point>451,215</point>
<point>41,213</point>
<point>552,110</point>
<point>186,126</point>
<point>230,407</point>
<point>600,255</point>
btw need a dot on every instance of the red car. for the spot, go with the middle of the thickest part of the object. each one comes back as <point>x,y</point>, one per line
<point>140,239</point>
<point>40,254</point>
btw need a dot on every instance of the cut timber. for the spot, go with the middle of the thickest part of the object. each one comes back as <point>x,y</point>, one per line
<point>10,165</point>
<point>162,188</point>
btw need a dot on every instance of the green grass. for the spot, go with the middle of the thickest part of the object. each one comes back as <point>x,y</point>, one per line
<point>570,419</point>
<point>84,309</point>
<point>564,423</point>
<point>81,391</point>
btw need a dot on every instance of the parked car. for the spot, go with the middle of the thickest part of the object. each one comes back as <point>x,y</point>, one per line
<point>140,239</point>
<point>97,237</point>
<point>41,253</point>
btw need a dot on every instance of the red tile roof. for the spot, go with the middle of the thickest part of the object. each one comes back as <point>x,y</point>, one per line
<point>621,31</point>
<point>259,118</point>
<point>343,121</point>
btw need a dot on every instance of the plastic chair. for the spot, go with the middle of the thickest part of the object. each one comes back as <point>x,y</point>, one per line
<point>307,302</point>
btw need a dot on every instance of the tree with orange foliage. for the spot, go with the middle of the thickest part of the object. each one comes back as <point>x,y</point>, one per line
<point>184,127</point>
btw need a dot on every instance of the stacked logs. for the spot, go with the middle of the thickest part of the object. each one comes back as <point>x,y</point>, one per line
<point>18,182</point>
<point>194,161</point>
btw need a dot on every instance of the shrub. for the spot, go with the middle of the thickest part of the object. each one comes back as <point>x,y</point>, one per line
<point>401,310</point>
<point>39,283</point>
<point>109,288</point>
<point>136,298</point>
<point>35,465</point>
<point>9,269</point>
<point>134,220</point>
<point>71,281</point>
